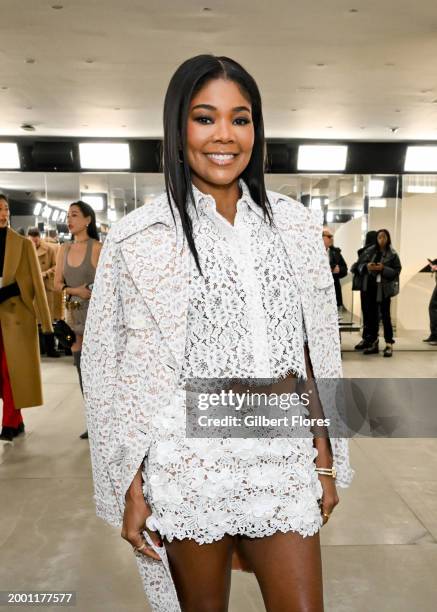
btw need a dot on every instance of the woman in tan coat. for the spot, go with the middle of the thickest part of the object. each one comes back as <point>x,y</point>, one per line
<point>58,305</point>
<point>47,262</point>
<point>21,284</point>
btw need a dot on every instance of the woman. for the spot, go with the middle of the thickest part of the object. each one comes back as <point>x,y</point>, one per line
<point>75,271</point>
<point>366,341</point>
<point>203,284</point>
<point>21,287</point>
<point>47,263</point>
<point>379,267</point>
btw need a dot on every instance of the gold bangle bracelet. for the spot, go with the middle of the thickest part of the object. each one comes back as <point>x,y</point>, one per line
<point>327,471</point>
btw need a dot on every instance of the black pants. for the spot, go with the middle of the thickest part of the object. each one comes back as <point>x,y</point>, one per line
<point>374,311</point>
<point>366,309</point>
<point>338,293</point>
<point>433,313</point>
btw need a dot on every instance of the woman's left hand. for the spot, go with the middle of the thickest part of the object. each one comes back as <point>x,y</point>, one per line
<point>329,498</point>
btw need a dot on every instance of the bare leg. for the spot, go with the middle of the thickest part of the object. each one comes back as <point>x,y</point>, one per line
<point>288,568</point>
<point>201,573</point>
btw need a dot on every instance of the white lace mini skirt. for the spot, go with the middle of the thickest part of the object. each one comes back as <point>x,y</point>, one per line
<point>205,488</point>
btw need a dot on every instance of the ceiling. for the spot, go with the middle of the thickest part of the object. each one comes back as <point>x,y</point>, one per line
<point>349,69</point>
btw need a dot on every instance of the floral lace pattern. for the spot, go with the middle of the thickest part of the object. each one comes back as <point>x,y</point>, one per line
<point>203,488</point>
<point>244,314</point>
<point>133,351</point>
<point>244,320</point>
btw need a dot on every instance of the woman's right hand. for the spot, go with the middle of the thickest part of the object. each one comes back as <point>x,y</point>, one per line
<point>136,511</point>
<point>83,292</point>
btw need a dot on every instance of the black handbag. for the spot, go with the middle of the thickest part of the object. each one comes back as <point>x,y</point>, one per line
<point>357,282</point>
<point>64,334</point>
<point>391,289</point>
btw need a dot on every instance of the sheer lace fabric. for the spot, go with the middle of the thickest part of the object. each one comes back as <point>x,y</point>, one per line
<point>244,320</point>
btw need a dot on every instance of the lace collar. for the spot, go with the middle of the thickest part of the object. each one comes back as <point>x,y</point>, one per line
<point>206,203</point>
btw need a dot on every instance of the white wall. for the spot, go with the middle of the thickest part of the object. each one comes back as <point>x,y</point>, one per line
<point>418,240</point>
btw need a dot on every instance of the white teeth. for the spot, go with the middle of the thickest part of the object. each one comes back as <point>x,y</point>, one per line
<point>220,156</point>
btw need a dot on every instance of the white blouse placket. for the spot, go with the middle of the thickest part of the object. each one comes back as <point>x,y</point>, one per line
<point>238,237</point>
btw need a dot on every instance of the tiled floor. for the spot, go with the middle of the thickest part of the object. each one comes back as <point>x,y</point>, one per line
<point>379,549</point>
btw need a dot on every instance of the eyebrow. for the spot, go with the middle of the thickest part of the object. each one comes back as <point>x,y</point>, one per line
<point>236,109</point>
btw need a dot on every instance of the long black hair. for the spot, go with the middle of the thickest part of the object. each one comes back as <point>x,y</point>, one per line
<point>370,238</point>
<point>188,79</point>
<point>88,211</point>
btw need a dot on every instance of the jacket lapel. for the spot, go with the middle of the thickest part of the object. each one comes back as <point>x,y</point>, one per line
<point>13,249</point>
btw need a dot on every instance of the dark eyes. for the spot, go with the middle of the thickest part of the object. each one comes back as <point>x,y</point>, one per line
<point>204,120</point>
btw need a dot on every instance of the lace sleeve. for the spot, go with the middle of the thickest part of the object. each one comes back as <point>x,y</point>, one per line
<point>118,446</point>
<point>99,364</point>
<point>324,350</point>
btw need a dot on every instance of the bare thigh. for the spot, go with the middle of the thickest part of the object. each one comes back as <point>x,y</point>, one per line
<point>288,568</point>
<point>201,573</point>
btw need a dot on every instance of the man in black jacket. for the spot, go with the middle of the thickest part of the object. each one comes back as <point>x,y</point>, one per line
<point>337,263</point>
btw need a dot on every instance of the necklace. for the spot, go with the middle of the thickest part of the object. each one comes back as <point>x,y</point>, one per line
<point>80,241</point>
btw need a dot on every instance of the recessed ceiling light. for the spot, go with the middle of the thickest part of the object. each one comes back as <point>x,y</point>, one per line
<point>28,127</point>
<point>9,156</point>
<point>30,60</point>
<point>104,156</point>
<point>322,157</point>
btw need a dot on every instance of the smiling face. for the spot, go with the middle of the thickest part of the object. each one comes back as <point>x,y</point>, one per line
<point>220,135</point>
<point>4,213</point>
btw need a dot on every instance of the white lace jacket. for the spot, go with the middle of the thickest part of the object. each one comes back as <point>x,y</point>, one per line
<point>134,346</point>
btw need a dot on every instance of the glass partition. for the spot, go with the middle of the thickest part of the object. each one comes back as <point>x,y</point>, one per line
<point>351,205</point>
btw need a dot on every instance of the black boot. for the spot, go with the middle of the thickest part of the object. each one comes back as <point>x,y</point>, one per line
<point>7,434</point>
<point>373,349</point>
<point>50,346</point>
<point>42,341</point>
<point>362,345</point>
<point>76,360</point>
<point>20,430</point>
<point>388,351</point>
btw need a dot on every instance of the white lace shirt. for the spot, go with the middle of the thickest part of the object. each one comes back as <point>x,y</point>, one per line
<point>244,314</point>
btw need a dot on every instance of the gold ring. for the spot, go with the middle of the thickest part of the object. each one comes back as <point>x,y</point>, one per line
<point>141,548</point>
<point>326,515</point>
